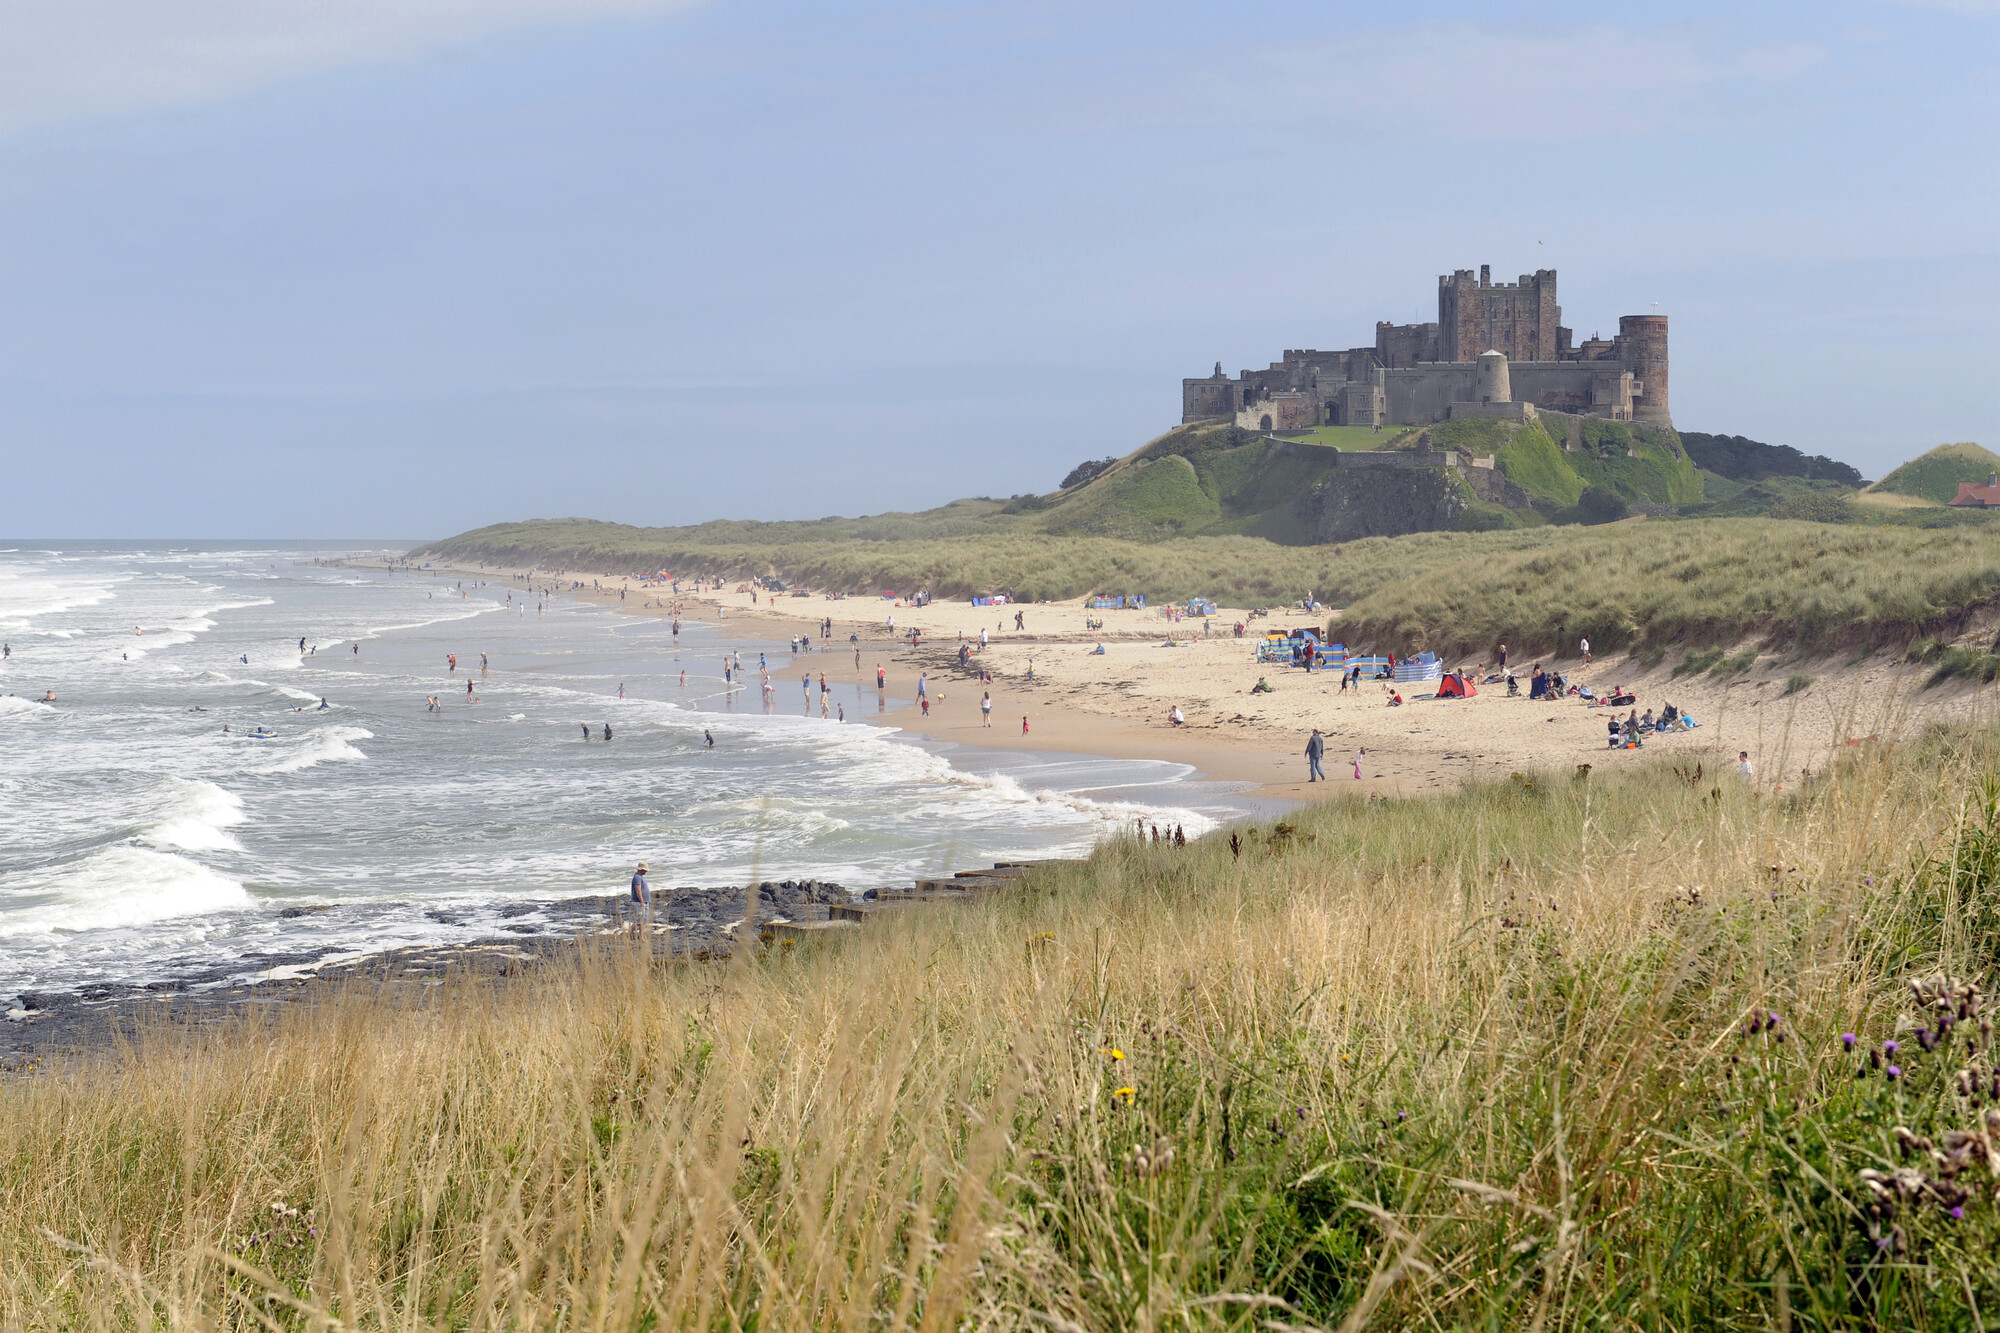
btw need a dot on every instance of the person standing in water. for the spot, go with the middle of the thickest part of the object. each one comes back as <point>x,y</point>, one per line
<point>586,730</point>
<point>708,739</point>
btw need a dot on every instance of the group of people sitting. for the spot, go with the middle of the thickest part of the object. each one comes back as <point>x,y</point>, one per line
<point>1629,732</point>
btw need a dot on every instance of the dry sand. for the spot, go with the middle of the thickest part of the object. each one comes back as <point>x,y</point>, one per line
<point>1118,704</point>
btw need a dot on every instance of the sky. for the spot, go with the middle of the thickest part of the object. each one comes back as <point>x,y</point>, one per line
<point>398,268</point>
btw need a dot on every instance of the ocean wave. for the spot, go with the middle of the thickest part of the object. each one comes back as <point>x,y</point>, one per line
<point>199,819</point>
<point>126,886</point>
<point>20,707</point>
<point>474,608</point>
<point>323,745</point>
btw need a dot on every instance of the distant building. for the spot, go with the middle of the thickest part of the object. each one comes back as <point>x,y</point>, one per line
<point>1971,495</point>
<point>1496,350</point>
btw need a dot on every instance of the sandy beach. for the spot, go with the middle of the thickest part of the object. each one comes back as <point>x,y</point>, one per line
<point>1117,704</point>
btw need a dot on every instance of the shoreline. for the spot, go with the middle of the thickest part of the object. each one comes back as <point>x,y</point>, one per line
<point>1113,706</point>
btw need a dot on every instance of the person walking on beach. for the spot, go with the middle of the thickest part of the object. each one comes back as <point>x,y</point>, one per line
<point>881,677</point>
<point>1024,724</point>
<point>1503,657</point>
<point>1584,644</point>
<point>1359,755</point>
<point>1315,751</point>
<point>1743,768</point>
<point>986,709</point>
<point>1019,620</point>
<point>922,679</point>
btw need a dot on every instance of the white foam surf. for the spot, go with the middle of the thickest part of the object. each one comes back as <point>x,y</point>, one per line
<point>201,816</point>
<point>125,886</point>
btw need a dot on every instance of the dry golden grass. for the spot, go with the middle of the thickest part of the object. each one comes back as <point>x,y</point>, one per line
<point>1477,1059</point>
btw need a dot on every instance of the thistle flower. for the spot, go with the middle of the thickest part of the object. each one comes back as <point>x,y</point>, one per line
<point>1891,1047</point>
<point>1895,1071</point>
<point>1958,1213</point>
<point>1847,1040</point>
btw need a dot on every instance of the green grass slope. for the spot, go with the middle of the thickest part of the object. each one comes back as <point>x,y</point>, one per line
<point>1935,476</point>
<point>1148,499</point>
<point>1813,587</point>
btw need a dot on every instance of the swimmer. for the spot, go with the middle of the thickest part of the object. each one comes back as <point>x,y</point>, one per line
<point>49,697</point>
<point>710,739</point>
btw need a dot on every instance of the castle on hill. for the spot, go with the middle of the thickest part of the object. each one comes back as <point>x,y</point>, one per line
<point>1496,350</point>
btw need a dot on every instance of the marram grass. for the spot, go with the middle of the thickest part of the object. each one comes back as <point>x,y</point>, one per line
<point>1559,1051</point>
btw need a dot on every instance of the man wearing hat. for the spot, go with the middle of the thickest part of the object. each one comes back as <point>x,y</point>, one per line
<point>642,894</point>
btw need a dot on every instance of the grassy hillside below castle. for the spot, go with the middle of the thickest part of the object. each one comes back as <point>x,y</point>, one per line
<point>1784,548</point>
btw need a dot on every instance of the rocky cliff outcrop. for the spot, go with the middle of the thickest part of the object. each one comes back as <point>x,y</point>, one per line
<point>1382,502</point>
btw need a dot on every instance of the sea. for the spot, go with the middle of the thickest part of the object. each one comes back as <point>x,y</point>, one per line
<point>153,835</point>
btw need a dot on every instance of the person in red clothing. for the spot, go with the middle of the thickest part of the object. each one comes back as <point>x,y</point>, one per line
<point>1024,724</point>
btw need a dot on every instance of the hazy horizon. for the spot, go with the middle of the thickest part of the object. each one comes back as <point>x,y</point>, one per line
<point>400,268</point>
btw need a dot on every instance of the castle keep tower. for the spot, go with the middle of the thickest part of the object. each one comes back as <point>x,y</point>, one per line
<point>1518,320</point>
<point>1642,349</point>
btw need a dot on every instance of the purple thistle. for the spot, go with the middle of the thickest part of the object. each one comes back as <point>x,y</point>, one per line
<point>1847,1040</point>
<point>1895,1071</point>
<point>1890,1047</point>
<point>1958,1212</point>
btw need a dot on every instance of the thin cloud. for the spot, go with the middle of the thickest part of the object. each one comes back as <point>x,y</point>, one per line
<point>1465,81</point>
<point>65,59</point>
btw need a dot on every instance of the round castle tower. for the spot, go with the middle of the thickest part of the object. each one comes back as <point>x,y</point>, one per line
<point>1490,382</point>
<point>1642,345</point>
